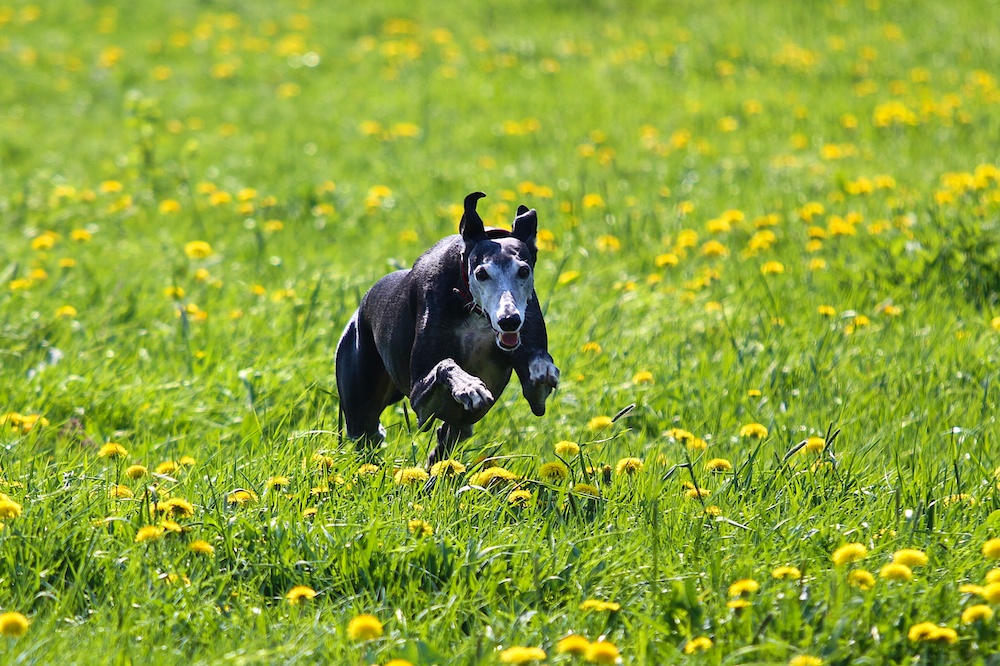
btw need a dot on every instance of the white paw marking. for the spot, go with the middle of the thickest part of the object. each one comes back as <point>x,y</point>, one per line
<point>542,371</point>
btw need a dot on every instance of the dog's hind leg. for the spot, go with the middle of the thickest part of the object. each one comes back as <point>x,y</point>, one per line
<point>447,437</point>
<point>363,384</point>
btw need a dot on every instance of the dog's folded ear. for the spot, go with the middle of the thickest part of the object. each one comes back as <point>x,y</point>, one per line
<point>471,227</point>
<point>525,226</point>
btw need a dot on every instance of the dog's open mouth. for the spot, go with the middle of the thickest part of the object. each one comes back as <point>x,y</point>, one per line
<point>509,341</point>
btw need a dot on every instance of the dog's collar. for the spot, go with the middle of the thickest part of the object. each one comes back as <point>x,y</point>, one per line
<point>464,292</point>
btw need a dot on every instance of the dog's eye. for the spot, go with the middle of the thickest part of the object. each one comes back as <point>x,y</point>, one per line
<point>523,272</point>
<point>482,275</point>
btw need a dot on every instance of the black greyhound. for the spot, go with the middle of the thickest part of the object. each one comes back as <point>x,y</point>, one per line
<point>447,333</point>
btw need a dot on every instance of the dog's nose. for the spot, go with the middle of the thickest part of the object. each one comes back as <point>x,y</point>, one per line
<point>509,323</point>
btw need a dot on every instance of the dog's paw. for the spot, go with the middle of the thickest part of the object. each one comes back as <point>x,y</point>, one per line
<point>471,393</point>
<point>542,371</point>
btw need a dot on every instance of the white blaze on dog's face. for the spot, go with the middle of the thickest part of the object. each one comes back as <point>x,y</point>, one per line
<point>501,281</point>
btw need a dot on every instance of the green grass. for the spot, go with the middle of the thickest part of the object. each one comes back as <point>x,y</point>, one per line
<point>628,125</point>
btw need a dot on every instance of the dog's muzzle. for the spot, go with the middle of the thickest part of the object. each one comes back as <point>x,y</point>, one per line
<point>509,335</point>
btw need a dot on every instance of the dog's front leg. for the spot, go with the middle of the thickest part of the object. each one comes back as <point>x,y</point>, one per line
<point>539,377</point>
<point>435,393</point>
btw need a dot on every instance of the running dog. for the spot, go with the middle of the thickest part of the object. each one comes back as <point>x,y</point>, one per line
<point>447,333</point>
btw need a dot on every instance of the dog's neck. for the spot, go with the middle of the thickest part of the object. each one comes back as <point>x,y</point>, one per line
<point>464,292</point>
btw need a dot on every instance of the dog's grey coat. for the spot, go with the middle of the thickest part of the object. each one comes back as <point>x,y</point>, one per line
<point>427,333</point>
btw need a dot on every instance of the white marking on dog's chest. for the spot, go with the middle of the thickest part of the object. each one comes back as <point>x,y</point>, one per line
<point>476,337</point>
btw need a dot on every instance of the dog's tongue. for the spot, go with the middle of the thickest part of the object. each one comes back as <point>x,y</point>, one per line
<point>510,340</point>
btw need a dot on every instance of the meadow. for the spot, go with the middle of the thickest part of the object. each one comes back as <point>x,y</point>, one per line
<point>769,265</point>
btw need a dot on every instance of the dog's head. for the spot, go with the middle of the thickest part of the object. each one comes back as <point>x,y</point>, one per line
<point>501,269</point>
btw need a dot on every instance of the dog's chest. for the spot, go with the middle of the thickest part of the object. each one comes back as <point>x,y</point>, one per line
<point>478,354</point>
<point>476,338</point>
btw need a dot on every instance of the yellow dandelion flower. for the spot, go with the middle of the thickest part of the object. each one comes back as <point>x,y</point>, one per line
<point>772,268</point>
<point>120,492</point>
<point>177,507</point>
<point>492,476</point>
<point>861,579</point>
<point>555,472</point>
<point>66,312</point>
<point>696,645</point>
<point>364,628</point>
<point>447,468</point>
<point>714,248</point>
<point>309,512</point>
<point>977,613</point>
<point>629,466</point>
<point>991,593</point>
<point>171,526</point>
<point>9,508</point>
<point>991,549</point>
<point>642,377</point>
<point>169,206</point>
<point>928,632</point>
<point>718,465</point>
<point>136,472</point>
<point>13,625</point>
<point>197,249</point>
<point>566,277</point>
<point>666,259</point>
<point>112,450</point>
<point>969,588</point>
<point>567,449</point>
<point>420,527</point>
<point>712,510</point>
<point>519,497</point>
<point>680,435</point>
<point>522,655</point>
<point>368,469</point>
<point>593,201</point>
<point>278,482</point>
<point>851,552</point>
<point>45,241</point>
<point>743,587</point>
<point>696,493</point>
<point>826,310</point>
<point>201,547</point>
<point>599,605</point>
<point>786,572</point>
<point>398,662</point>
<point>302,593</point>
<point>911,557</point>
<point>586,490</point>
<point>753,430</point>
<point>814,445</point>
<point>602,652</point>
<point>409,476</point>
<point>896,571</point>
<point>241,496</point>
<point>608,243</point>
<point>738,604</point>
<point>805,660</point>
<point>166,467</point>
<point>993,576</point>
<point>187,461</point>
<point>573,644</point>
<point>149,533</point>
<point>599,423</point>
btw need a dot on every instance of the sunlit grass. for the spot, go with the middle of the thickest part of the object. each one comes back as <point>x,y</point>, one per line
<point>768,267</point>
